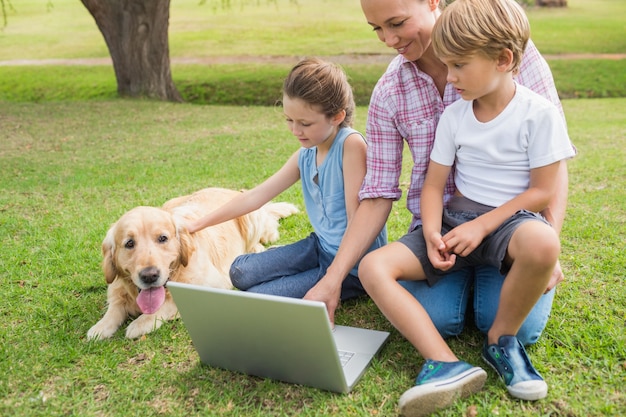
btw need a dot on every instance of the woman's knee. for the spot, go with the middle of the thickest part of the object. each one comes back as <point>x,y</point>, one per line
<point>445,302</point>
<point>536,322</point>
<point>532,327</point>
<point>528,334</point>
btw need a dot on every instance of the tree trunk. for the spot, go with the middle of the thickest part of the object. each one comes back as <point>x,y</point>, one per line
<point>136,33</point>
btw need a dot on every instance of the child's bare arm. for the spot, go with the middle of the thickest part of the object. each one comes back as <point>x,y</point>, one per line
<point>432,210</point>
<point>354,168</point>
<point>555,210</point>
<point>252,199</point>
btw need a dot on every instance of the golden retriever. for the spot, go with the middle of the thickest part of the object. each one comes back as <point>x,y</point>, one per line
<point>148,246</point>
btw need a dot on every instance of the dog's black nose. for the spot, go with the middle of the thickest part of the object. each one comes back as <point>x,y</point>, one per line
<point>149,275</point>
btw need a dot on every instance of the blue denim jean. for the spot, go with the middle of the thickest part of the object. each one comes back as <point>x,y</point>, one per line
<point>446,302</point>
<point>290,270</point>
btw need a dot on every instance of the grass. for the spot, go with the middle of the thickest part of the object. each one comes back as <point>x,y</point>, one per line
<point>260,84</point>
<point>71,169</point>
<point>583,27</point>
<point>75,158</point>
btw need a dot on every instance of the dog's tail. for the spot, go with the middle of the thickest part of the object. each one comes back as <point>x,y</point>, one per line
<point>262,224</point>
<point>281,210</point>
<point>275,212</point>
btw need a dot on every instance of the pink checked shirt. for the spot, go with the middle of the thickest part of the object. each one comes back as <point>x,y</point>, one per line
<point>406,106</point>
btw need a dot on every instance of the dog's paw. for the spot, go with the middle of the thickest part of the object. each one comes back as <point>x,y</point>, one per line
<point>143,324</point>
<point>101,330</point>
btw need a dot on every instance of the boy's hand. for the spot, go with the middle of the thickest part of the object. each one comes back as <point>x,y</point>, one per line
<point>464,238</point>
<point>438,255</point>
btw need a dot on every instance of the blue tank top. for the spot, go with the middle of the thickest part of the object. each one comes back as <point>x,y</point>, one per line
<point>324,195</point>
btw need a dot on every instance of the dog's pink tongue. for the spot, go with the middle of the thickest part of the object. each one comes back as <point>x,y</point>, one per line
<point>150,300</point>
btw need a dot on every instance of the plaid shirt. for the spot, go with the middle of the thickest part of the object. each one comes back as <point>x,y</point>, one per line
<point>406,106</point>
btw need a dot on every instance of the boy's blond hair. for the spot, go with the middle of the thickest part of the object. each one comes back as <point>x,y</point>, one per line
<point>469,27</point>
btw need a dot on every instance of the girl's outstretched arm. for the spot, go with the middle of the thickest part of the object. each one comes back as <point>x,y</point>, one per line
<point>252,199</point>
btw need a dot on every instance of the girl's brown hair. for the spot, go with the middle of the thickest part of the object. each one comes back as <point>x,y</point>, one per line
<point>323,85</point>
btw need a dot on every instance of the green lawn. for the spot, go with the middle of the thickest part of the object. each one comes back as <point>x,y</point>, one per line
<point>75,158</point>
<point>72,168</point>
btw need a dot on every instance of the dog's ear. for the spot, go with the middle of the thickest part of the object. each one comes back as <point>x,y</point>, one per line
<point>186,242</point>
<point>108,256</point>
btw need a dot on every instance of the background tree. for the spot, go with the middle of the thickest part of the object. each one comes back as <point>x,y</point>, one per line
<point>3,6</point>
<point>136,34</point>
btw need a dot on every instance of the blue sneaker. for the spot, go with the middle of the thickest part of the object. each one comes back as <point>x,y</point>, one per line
<point>438,385</point>
<point>510,361</point>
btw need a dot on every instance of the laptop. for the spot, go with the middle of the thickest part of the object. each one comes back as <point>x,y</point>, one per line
<point>281,338</point>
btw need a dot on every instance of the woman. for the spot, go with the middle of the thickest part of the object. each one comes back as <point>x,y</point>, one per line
<point>405,107</point>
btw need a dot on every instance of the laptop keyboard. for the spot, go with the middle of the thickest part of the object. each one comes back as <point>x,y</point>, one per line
<point>344,356</point>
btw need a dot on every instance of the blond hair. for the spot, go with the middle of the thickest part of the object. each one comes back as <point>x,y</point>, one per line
<point>468,27</point>
<point>323,85</point>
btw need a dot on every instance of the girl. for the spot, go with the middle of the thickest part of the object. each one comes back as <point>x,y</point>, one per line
<point>319,110</point>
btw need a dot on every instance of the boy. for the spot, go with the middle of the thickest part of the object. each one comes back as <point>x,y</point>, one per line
<point>505,143</point>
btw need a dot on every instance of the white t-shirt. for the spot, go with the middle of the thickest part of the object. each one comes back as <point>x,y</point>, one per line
<point>493,159</point>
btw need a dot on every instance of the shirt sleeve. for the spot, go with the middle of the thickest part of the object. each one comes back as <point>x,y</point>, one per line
<point>384,151</point>
<point>444,148</point>
<point>548,138</point>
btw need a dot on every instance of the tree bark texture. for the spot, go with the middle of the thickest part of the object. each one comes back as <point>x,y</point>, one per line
<point>136,34</point>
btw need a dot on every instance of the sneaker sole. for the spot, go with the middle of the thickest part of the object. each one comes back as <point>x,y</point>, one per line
<point>533,391</point>
<point>423,400</point>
